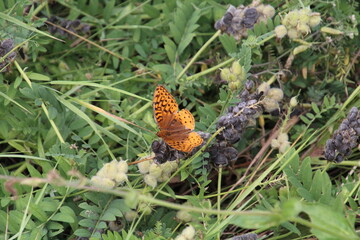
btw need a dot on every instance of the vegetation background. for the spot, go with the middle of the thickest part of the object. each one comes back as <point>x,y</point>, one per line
<point>83,69</point>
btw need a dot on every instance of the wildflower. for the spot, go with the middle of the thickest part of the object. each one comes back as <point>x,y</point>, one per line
<point>234,122</point>
<point>236,21</point>
<point>102,182</point>
<point>5,47</point>
<point>297,23</point>
<point>293,102</point>
<point>144,167</point>
<point>150,180</point>
<point>280,31</point>
<point>345,138</point>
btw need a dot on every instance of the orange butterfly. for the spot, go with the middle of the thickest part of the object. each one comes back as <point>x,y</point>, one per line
<point>176,127</point>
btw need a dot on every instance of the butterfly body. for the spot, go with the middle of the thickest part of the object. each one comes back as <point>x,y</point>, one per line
<point>176,127</point>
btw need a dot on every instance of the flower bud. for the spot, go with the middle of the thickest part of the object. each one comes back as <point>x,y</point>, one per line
<point>293,18</point>
<point>270,104</point>
<point>303,28</point>
<point>283,137</point>
<point>275,143</point>
<point>280,31</point>
<point>275,93</point>
<point>304,15</point>
<point>293,102</point>
<point>150,180</point>
<point>180,237</point>
<point>102,182</point>
<point>264,87</point>
<point>183,216</point>
<point>269,11</point>
<point>236,68</point>
<point>292,33</point>
<point>108,170</point>
<point>164,177</point>
<point>121,177</point>
<point>234,86</point>
<point>315,19</point>
<point>225,74</point>
<point>189,232</point>
<point>300,49</point>
<point>144,167</point>
<point>260,8</point>
<point>155,170</point>
<point>122,166</point>
<point>232,78</point>
<point>331,31</point>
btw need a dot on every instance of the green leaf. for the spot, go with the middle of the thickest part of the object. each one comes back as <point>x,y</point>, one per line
<point>81,232</point>
<point>38,212</point>
<point>170,48</point>
<point>304,193</point>
<point>88,223</point>
<point>329,224</point>
<point>315,108</point>
<point>316,187</point>
<point>310,115</point>
<point>229,43</point>
<point>62,217</point>
<point>305,173</point>
<point>38,76</point>
<point>151,11</point>
<point>305,120</point>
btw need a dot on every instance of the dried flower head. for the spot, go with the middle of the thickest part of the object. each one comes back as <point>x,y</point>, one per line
<point>345,138</point>
<point>236,21</point>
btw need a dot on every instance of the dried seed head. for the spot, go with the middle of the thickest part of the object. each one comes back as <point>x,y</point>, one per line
<point>280,31</point>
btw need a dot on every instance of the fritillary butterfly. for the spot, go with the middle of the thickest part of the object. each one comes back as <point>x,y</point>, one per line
<point>176,127</point>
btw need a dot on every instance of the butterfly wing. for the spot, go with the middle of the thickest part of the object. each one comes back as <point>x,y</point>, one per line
<point>187,144</point>
<point>185,119</point>
<point>165,106</point>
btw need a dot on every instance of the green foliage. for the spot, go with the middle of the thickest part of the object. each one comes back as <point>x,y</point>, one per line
<point>94,215</point>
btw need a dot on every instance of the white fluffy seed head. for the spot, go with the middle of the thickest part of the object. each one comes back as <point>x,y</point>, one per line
<point>270,104</point>
<point>150,180</point>
<point>275,93</point>
<point>155,170</point>
<point>293,102</point>
<point>121,177</point>
<point>315,19</point>
<point>189,232</point>
<point>283,137</point>
<point>102,182</point>
<point>183,216</point>
<point>269,11</point>
<point>293,33</point>
<point>122,166</point>
<point>264,87</point>
<point>180,237</point>
<point>108,170</point>
<point>275,143</point>
<point>144,167</point>
<point>280,31</point>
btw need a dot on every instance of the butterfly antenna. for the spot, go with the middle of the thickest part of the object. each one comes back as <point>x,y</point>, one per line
<point>142,160</point>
